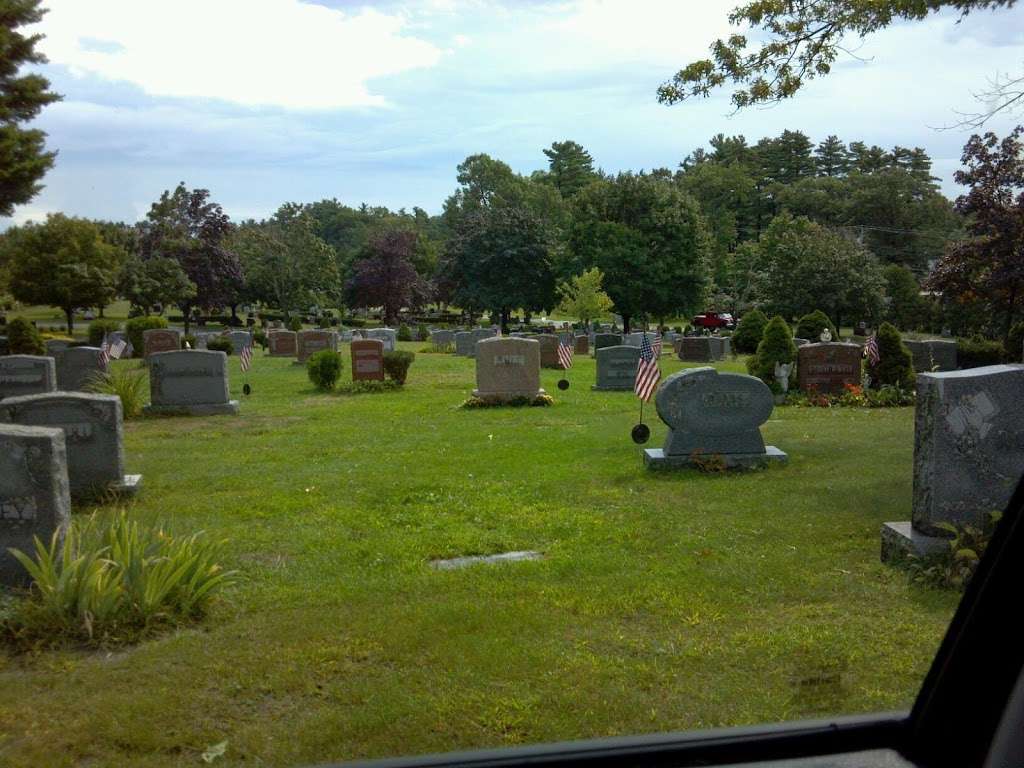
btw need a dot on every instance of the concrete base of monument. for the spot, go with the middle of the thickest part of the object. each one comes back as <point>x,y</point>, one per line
<point>655,458</point>
<point>129,486</point>
<point>229,408</point>
<point>900,541</point>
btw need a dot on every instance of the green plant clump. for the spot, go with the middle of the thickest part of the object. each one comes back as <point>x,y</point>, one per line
<point>977,352</point>
<point>404,333</point>
<point>749,331</point>
<point>295,324</point>
<point>220,344</point>
<point>98,330</point>
<point>953,567</point>
<point>396,365</point>
<point>23,338</point>
<point>540,401</point>
<point>135,327</point>
<point>113,585</point>
<point>776,346</point>
<point>324,369</point>
<point>422,334</point>
<point>895,365</point>
<point>369,387</point>
<point>812,324</point>
<point>131,385</point>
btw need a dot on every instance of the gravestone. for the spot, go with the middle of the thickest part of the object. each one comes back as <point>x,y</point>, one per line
<point>465,342</point>
<point>632,339</point>
<point>507,368</point>
<point>932,355</point>
<point>721,346</point>
<point>367,359</point>
<point>5,348</point>
<point>616,368</point>
<point>699,349</point>
<point>189,382</point>
<point>157,340</point>
<point>27,375</point>
<point>828,367</point>
<point>239,341</point>
<point>968,454</point>
<point>93,436</point>
<point>34,498</point>
<point>442,339</point>
<point>282,343</point>
<point>55,346</point>
<point>581,345</point>
<point>77,367</point>
<point>387,335</point>
<point>602,340</point>
<point>311,342</point>
<point>549,351</point>
<point>711,414</point>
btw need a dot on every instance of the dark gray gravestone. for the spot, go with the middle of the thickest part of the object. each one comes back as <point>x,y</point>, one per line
<point>465,344</point>
<point>442,339</point>
<point>699,349</point>
<point>93,436</point>
<point>189,383</point>
<point>616,368</point>
<point>34,499</point>
<point>27,375</point>
<point>932,354</point>
<point>77,367</point>
<point>602,340</point>
<point>713,414</point>
<point>55,346</point>
<point>968,453</point>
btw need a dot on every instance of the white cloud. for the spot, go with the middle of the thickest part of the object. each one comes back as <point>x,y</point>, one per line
<point>281,53</point>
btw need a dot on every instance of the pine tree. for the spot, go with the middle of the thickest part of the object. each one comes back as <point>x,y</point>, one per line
<point>570,167</point>
<point>812,324</point>
<point>23,159</point>
<point>777,346</point>
<point>23,338</point>
<point>832,158</point>
<point>749,331</point>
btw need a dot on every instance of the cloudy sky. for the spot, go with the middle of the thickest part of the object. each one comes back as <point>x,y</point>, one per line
<point>267,101</point>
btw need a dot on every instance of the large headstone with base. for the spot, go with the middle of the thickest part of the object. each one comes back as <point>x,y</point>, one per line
<point>968,453</point>
<point>507,368</point>
<point>34,498</point>
<point>78,367</point>
<point>713,416</point>
<point>616,368</point>
<point>699,349</point>
<point>282,343</point>
<point>93,434</point>
<point>828,367</point>
<point>157,340</point>
<point>581,345</point>
<point>602,340</point>
<point>465,343</point>
<point>367,359</point>
<point>311,342</point>
<point>932,354</point>
<point>27,375</point>
<point>189,383</point>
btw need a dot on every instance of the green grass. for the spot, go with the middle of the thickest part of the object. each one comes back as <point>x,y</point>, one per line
<point>663,602</point>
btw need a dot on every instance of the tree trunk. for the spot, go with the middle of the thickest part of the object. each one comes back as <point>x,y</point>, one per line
<point>504,321</point>
<point>625,323</point>
<point>70,315</point>
<point>186,310</point>
<point>102,308</point>
<point>1009,317</point>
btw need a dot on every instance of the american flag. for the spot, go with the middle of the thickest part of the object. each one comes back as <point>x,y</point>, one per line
<point>648,374</point>
<point>111,351</point>
<point>656,346</point>
<point>565,354</point>
<point>246,357</point>
<point>871,351</point>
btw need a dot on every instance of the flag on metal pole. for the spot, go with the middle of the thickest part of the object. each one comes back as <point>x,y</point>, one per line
<point>648,374</point>
<point>564,354</point>
<point>871,351</point>
<point>246,357</point>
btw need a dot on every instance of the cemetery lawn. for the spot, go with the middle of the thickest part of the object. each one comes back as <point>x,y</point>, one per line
<point>663,602</point>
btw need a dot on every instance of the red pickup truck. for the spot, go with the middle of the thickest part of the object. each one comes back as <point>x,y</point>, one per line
<point>713,320</point>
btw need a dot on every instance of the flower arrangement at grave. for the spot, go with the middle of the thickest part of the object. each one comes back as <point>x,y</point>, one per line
<point>540,401</point>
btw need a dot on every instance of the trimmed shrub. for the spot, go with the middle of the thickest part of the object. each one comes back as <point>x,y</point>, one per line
<point>260,337</point>
<point>749,331</point>
<point>188,341</point>
<point>776,346</point>
<point>404,333</point>
<point>324,369</point>
<point>131,385</point>
<point>977,352</point>
<point>220,344</point>
<point>895,363</point>
<point>112,586</point>
<point>98,329</point>
<point>23,338</point>
<point>396,365</point>
<point>135,327</point>
<point>295,324</point>
<point>422,334</point>
<point>811,325</point>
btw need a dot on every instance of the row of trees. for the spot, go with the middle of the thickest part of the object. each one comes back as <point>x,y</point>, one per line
<point>781,225</point>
